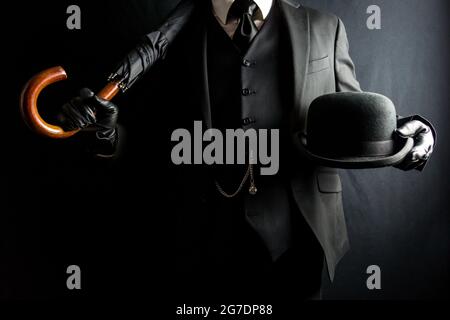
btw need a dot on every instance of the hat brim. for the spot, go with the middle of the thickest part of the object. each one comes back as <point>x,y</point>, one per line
<point>360,162</point>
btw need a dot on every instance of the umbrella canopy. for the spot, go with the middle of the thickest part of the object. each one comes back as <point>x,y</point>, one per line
<point>153,46</point>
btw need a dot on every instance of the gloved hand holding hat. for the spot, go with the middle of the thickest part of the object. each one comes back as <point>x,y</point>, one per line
<point>354,130</point>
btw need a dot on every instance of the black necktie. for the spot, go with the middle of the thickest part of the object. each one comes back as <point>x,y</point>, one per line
<point>246,30</point>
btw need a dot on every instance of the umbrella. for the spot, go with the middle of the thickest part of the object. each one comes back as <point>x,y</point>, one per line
<point>151,49</point>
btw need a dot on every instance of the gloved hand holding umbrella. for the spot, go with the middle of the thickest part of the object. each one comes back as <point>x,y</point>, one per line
<point>88,109</point>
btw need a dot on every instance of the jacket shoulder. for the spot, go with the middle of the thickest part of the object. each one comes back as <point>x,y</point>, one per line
<point>321,20</point>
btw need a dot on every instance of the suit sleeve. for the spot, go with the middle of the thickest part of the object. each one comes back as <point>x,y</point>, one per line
<point>344,67</point>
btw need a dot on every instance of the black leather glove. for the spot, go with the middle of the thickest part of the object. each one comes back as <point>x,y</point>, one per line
<point>88,110</point>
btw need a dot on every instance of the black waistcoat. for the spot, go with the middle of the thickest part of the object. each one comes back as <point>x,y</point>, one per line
<point>250,89</point>
<point>246,88</point>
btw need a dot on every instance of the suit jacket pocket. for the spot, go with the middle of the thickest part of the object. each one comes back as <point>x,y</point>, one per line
<point>318,65</point>
<point>329,182</point>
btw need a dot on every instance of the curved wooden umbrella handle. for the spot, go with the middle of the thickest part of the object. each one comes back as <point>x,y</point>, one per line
<point>30,94</point>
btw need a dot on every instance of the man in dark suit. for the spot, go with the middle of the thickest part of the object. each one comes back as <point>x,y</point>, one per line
<point>257,64</point>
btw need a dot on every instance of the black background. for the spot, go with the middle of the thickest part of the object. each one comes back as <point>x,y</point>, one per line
<point>54,213</point>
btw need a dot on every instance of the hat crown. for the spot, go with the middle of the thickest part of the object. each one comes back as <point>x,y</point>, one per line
<point>345,120</point>
<point>355,116</point>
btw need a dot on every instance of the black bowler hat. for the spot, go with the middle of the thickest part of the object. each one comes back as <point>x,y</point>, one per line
<point>353,130</point>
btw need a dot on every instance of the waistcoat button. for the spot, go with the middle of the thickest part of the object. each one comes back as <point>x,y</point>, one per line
<point>246,92</point>
<point>248,63</point>
<point>247,121</point>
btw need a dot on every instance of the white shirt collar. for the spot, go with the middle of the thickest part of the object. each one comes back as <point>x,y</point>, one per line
<point>221,8</point>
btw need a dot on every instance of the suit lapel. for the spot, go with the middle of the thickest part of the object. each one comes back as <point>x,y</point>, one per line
<point>206,103</point>
<point>204,81</point>
<point>297,22</point>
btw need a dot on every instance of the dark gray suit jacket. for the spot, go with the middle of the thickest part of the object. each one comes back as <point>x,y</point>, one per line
<point>321,65</point>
